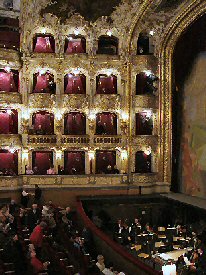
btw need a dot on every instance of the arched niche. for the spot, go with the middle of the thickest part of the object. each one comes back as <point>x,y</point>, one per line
<point>43,43</point>
<point>108,45</point>
<point>75,44</point>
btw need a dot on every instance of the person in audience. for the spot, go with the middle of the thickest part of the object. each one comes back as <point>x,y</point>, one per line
<point>60,170</point>
<point>13,207</point>
<point>108,169</point>
<point>36,237</point>
<point>29,171</point>
<point>24,198</point>
<point>115,170</point>
<point>37,194</point>
<point>51,170</point>
<point>100,262</point>
<point>35,170</point>
<point>36,264</point>
<point>39,130</point>
<point>34,216</point>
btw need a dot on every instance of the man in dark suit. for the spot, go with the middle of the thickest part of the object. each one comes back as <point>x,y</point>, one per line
<point>37,194</point>
<point>34,216</point>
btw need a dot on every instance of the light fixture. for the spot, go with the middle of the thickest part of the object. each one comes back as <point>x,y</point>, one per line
<point>147,72</point>
<point>25,114</point>
<point>91,155</point>
<point>43,30</point>
<point>76,31</point>
<point>147,151</point>
<point>92,115</point>
<point>7,69</point>
<point>124,154</point>
<point>69,38</point>
<point>151,32</point>
<point>42,71</point>
<point>58,114</point>
<point>76,71</point>
<point>25,155</point>
<point>9,112</point>
<point>58,154</point>
<point>109,72</point>
<point>124,116</point>
<point>12,149</point>
<point>149,113</point>
<point>109,33</point>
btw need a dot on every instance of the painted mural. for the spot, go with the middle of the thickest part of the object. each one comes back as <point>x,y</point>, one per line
<point>193,141</point>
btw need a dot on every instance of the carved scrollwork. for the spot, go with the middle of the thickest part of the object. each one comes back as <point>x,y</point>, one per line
<point>41,100</point>
<point>107,102</point>
<point>75,102</point>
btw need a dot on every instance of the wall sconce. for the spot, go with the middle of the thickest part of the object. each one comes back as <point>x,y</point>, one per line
<point>147,72</point>
<point>76,71</point>
<point>91,155</point>
<point>76,32</point>
<point>58,114</point>
<point>124,154</point>
<point>7,69</point>
<point>149,113</point>
<point>42,71</point>
<point>148,151</point>
<point>9,112</point>
<point>12,149</point>
<point>58,155</point>
<point>109,33</point>
<point>109,72</point>
<point>25,155</point>
<point>124,116</point>
<point>25,115</point>
<point>43,30</point>
<point>151,32</point>
<point>92,115</point>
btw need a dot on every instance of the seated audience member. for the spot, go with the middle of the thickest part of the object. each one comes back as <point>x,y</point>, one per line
<point>13,207</point>
<point>24,198</point>
<point>108,169</point>
<point>73,171</point>
<point>29,171</point>
<point>35,170</point>
<point>51,170</point>
<point>100,262</point>
<point>115,170</point>
<point>40,131</point>
<point>60,170</point>
<point>36,264</point>
<point>34,216</point>
<point>37,194</point>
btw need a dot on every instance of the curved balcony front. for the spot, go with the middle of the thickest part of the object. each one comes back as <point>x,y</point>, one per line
<point>10,98</point>
<point>11,139</point>
<point>42,100</point>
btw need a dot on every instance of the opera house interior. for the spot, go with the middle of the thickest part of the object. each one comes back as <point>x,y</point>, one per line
<point>102,137</point>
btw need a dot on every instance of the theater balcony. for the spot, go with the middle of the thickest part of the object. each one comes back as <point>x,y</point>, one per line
<point>10,97</point>
<point>8,139</point>
<point>75,140</point>
<point>145,101</point>
<point>45,140</point>
<point>10,182</point>
<point>78,102</point>
<point>75,180</point>
<point>148,141</point>
<point>42,100</point>
<point>107,140</point>
<point>150,60</point>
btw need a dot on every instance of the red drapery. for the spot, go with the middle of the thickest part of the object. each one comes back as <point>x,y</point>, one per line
<point>141,84</point>
<point>9,39</point>
<point>43,161</point>
<point>9,81</point>
<point>142,162</point>
<point>74,162</point>
<point>8,161</point>
<point>46,120</point>
<point>44,44</point>
<point>75,45</point>
<point>75,124</point>
<point>106,84</point>
<point>144,125</point>
<point>42,83</point>
<point>8,122</point>
<point>106,123</point>
<point>75,84</point>
<point>103,159</point>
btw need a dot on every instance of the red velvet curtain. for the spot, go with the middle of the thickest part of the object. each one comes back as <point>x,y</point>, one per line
<point>75,84</point>
<point>44,44</point>
<point>141,84</point>
<point>41,83</point>
<point>75,45</point>
<point>143,124</point>
<point>74,162</point>
<point>46,120</point>
<point>106,123</point>
<point>9,81</point>
<point>8,122</point>
<point>75,124</point>
<point>43,161</point>
<point>8,161</point>
<point>9,39</point>
<point>103,159</point>
<point>142,162</point>
<point>106,84</point>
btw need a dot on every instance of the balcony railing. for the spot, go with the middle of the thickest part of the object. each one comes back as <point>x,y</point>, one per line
<point>75,139</point>
<point>41,139</point>
<point>107,139</point>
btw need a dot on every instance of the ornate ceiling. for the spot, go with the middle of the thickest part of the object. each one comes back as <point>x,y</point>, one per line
<point>91,10</point>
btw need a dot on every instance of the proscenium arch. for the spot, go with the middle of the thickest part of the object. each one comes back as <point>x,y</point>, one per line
<point>195,10</point>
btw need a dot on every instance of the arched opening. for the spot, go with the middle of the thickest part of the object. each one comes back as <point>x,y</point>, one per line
<point>74,162</point>
<point>105,161</point>
<point>144,44</point>
<point>8,121</point>
<point>146,83</point>
<point>74,83</point>
<point>75,44</point>
<point>188,111</point>
<point>9,80</point>
<point>41,162</point>
<point>43,43</point>
<point>106,84</point>
<point>42,123</point>
<point>75,123</point>
<point>142,162</point>
<point>108,45</point>
<point>43,82</point>
<point>8,162</point>
<point>9,33</point>
<point>106,123</point>
<point>144,123</point>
